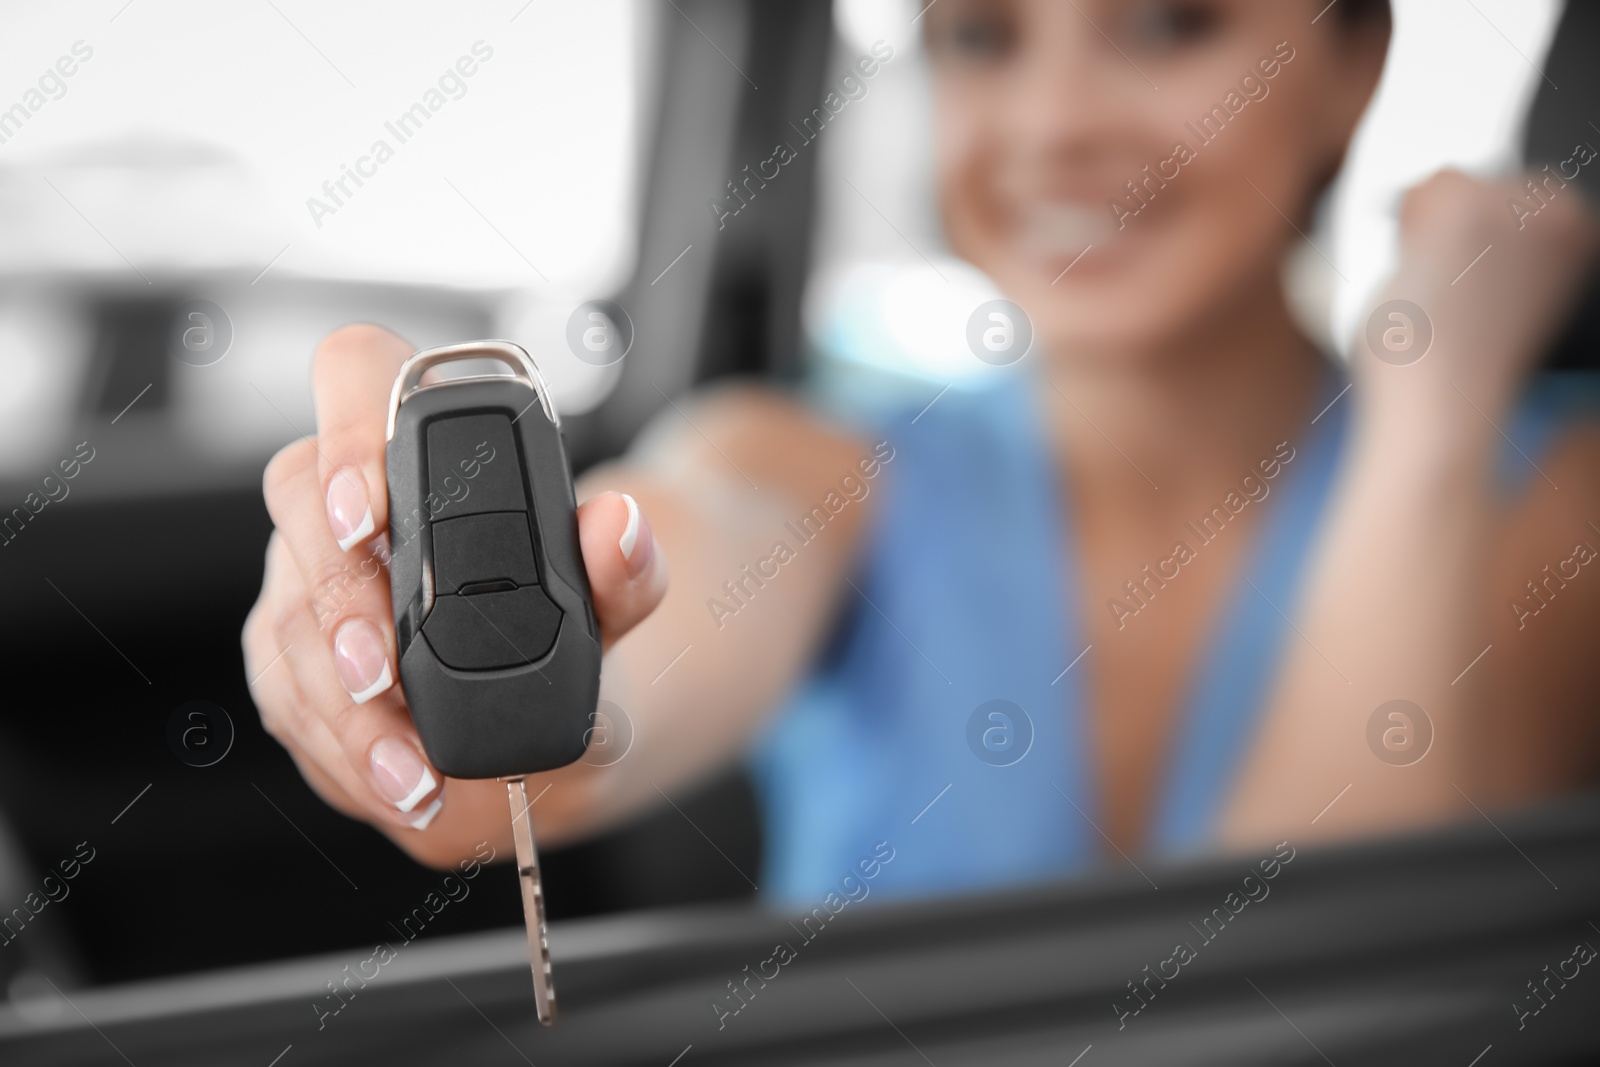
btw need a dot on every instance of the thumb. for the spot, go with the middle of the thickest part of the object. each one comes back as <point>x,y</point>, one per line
<point>627,573</point>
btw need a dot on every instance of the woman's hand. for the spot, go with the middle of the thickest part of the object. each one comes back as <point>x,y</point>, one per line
<point>1494,284</point>
<point>319,645</point>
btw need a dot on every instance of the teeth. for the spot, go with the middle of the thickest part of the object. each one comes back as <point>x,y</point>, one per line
<point>1064,229</point>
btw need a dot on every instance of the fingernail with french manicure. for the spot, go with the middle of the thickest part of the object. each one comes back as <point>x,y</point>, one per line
<point>362,660</point>
<point>403,779</point>
<point>636,541</point>
<point>349,511</point>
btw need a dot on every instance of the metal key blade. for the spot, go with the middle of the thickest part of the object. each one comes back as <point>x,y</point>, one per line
<point>544,990</point>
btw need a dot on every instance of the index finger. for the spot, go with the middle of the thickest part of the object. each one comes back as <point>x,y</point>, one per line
<point>352,375</point>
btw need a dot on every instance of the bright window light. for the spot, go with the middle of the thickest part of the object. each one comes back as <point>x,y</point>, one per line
<point>482,145</point>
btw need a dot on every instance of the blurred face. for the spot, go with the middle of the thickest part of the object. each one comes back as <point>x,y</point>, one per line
<point>1164,136</point>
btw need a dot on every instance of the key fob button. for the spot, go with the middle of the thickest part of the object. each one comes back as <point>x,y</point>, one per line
<point>473,466</point>
<point>476,549</point>
<point>493,629</point>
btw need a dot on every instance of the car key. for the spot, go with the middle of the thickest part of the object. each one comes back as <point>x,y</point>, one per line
<point>499,650</point>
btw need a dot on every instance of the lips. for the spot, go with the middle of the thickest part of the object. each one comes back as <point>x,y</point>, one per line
<point>1056,230</point>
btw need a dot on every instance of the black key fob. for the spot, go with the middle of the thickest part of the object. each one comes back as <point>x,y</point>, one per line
<point>499,650</point>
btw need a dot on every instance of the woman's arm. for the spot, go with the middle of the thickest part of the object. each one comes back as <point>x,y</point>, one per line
<point>1410,577</point>
<point>713,486</point>
<point>720,479</point>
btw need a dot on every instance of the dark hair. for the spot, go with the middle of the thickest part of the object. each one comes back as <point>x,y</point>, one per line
<point>1354,13</point>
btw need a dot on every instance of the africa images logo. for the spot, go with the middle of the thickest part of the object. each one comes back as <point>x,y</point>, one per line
<point>451,85</point>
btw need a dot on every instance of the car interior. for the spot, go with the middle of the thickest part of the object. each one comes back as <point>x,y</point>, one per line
<point>209,913</point>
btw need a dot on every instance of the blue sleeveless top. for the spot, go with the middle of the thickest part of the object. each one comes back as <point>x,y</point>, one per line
<point>964,597</point>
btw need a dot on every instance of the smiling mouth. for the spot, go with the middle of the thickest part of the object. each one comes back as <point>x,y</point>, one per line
<point>1061,231</point>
